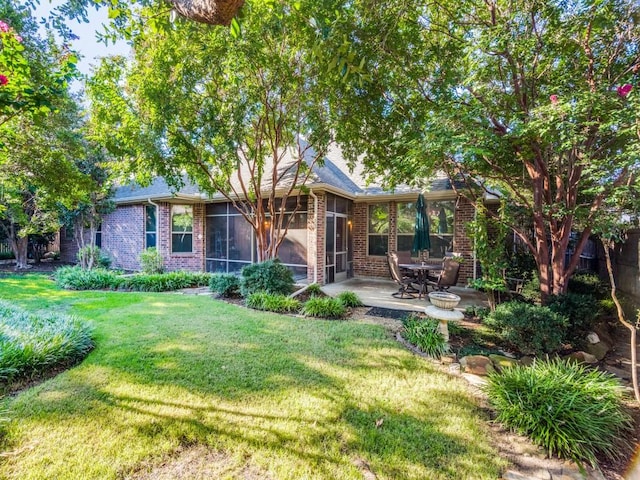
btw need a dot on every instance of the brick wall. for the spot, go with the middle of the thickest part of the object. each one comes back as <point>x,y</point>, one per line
<point>363,264</point>
<point>68,247</point>
<point>316,250</point>
<point>369,266</point>
<point>465,213</point>
<point>123,236</point>
<point>182,261</point>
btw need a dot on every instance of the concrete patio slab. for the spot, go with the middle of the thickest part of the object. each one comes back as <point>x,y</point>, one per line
<point>378,293</point>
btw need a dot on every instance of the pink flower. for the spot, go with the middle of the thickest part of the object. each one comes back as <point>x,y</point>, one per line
<point>623,90</point>
<point>553,98</point>
<point>3,80</point>
<point>18,38</point>
<point>4,27</point>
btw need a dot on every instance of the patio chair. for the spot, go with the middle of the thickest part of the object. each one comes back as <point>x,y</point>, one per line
<point>404,257</point>
<point>448,276</point>
<point>406,289</point>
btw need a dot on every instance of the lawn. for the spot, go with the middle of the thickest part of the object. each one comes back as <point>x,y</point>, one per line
<point>262,395</point>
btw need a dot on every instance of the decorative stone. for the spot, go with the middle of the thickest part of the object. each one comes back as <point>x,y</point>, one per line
<point>593,338</point>
<point>582,357</point>
<point>447,359</point>
<point>598,350</point>
<point>501,362</point>
<point>444,316</point>
<point>477,364</point>
<point>603,330</point>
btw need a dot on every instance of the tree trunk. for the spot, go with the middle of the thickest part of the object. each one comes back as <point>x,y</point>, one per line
<point>628,325</point>
<point>19,245</point>
<point>212,12</point>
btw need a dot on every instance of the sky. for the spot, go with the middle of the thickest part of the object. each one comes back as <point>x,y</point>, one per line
<point>87,45</point>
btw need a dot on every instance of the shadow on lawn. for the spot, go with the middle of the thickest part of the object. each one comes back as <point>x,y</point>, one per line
<point>239,381</point>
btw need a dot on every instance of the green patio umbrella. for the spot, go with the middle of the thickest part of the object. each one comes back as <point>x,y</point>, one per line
<point>421,239</point>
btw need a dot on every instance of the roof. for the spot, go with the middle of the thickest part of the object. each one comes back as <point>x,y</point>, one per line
<point>333,173</point>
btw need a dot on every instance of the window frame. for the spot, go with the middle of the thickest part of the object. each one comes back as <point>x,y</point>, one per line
<point>386,233</point>
<point>182,233</point>
<point>148,232</point>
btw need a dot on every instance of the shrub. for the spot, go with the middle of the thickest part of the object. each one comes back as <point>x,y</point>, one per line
<point>588,284</point>
<point>531,289</point>
<point>424,334</point>
<point>349,299</point>
<point>607,306</point>
<point>270,276</point>
<point>570,411</point>
<point>581,310</point>
<point>7,256</point>
<point>314,289</point>
<point>532,329</point>
<point>272,302</point>
<point>225,284</point>
<point>151,261</point>
<point>31,344</point>
<point>75,278</point>
<point>89,257</point>
<point>164,282</point>
<point>323,308</point>
<point>280,303</point>
<point>477,311</point>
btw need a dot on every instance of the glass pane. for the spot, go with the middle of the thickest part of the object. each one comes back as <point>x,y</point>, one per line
<point>440,244</point>
<point>379,218</point>
<point>330,202</point>
<point>240,233</point>
<point>99,239</point>
<point>217,237</point>
<point>294,246</point>
<point>182,218</point>
<point>181,242</point>
<point>378,244</point>
<point>216,266</point>
<point>235,267</point>
<point>299,273</point>
<point>330,239</point>
<point>441,216</point>
<point>406,218</point>
<point>150,240</point>
<point>150,218</point>
<point>341,263</point>
<point>405,243</point>
<point>342,205</point>
<point>216,209</point>
<point>341,234</point>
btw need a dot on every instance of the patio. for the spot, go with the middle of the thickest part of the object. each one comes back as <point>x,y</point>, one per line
<point>377,293</point>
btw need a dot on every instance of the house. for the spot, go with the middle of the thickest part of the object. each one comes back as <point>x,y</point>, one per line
<point>344,228</point>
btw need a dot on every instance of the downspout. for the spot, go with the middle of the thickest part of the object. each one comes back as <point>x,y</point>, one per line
<point>315,214</point>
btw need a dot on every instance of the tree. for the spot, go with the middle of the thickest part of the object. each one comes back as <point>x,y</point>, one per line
<point>242,113</point>
<point>38,173</point>
<point>535,99</point>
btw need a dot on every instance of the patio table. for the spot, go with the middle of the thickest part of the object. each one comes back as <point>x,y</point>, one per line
<point>422,269</point>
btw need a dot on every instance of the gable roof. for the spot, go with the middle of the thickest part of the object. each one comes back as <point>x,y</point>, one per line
<point>333,174</point>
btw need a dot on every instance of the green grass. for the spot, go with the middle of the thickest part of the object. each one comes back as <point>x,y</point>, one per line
<point>287,397</point>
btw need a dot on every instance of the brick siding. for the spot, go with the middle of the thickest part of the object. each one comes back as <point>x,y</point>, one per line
<point>123,236</point>
<point>193,261</point>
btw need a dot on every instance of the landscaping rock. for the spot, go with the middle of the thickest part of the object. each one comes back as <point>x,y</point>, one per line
<point>527,361</point>
<point>603,330</point>
<point>501,362</point>
<point>582,357</point>
<point>593,338</point>
<point>598,350</point>
<point>447,359</point>
<point>477,365</point>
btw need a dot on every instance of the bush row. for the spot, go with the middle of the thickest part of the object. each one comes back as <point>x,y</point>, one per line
<point>319,307</point>
<point>31,344</point>
<point>75,278</point>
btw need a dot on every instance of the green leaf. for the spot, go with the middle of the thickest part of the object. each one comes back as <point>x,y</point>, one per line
<point>235,30</point>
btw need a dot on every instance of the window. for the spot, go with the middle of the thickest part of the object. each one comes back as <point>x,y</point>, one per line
<point>150,231</point>
<point>441,220</point>
<point>406,226</point>
<point>99,235</point>
<point>378,230</point>
<point>181,228</point>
